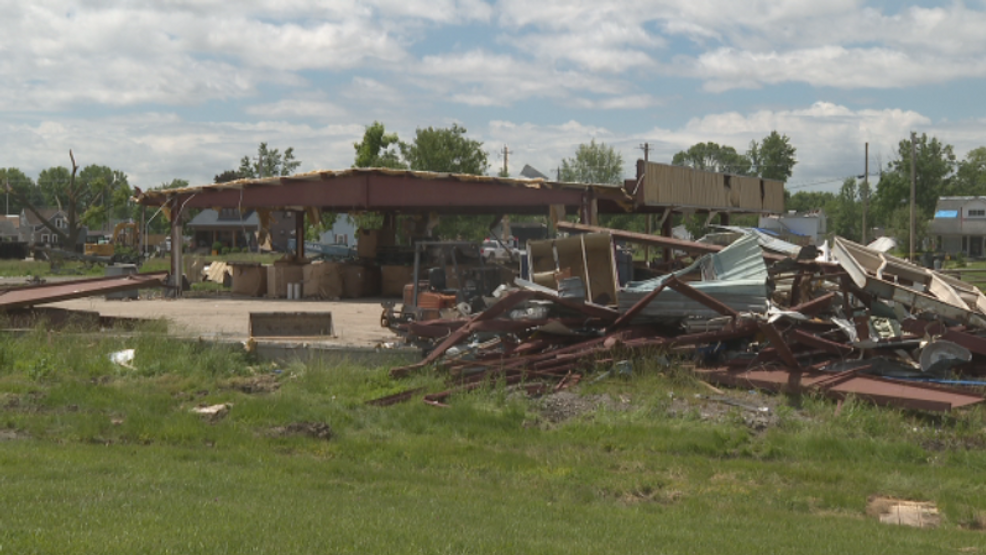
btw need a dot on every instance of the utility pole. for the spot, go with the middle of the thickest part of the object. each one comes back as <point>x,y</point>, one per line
<point>6,189</point>
<point>650,217</point>
<point>913,191</point>
<point>866,190</point>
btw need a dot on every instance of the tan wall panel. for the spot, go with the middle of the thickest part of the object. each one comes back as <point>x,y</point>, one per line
<point>682,186</point>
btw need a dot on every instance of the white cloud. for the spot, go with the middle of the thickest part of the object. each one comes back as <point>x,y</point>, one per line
<point>296,108</point>
<point>482,78</point>
<point>830,66</point>
<point>154,148</point>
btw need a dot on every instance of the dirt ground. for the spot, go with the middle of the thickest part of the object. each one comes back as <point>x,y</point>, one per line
<point>356,322</point>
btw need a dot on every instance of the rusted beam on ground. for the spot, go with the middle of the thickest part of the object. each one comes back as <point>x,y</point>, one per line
<point>21,297</point>
<point>882,391</point>
<point>395,398</point>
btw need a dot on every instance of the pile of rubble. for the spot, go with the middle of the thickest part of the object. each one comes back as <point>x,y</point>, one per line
<point>848,320</point>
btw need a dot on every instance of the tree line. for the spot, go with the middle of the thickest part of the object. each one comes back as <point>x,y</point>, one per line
<point>98,194</point>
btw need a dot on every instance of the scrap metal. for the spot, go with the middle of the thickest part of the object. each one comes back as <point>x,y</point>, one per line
<point>854,325</point>
<point>21,297</point>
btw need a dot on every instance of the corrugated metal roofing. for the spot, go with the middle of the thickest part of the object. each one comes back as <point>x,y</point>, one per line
<point>736,276</point>
<point>766,239</point>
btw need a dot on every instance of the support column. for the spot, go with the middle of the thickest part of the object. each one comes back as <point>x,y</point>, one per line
<point>723,218</point>
<point>299,235</point>
<point>666,232</point>
<point>175,281</point>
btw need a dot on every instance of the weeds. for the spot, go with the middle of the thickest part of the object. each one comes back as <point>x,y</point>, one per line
<point>100,457</point>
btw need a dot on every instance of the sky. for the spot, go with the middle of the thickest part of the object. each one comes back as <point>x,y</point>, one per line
<point>185,88</point>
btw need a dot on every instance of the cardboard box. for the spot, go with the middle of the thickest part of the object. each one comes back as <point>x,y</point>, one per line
<point>323,280</point>
<point>394,278</point>
<point>370,240</point>
<point>279,275</point>
<point>249,279</point>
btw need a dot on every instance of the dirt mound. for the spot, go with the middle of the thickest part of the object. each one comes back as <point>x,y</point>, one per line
<point>263,383</point>
<point>10,435</point>
<point>316,430</point>
<point>565,405</point>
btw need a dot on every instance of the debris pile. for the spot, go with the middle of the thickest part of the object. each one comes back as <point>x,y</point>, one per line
<point>839,321</point>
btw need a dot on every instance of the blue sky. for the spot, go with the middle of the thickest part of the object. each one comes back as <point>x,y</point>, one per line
<point>185,88</point>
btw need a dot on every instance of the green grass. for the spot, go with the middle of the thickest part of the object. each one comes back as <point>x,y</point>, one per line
<point>111,460</point>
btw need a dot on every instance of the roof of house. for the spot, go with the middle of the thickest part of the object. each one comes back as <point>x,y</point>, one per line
<point>48,213</point>
<point>210,218</point>
<point>952,204</point>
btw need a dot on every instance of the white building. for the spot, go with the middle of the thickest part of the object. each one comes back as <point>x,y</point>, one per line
<point>804,228</point>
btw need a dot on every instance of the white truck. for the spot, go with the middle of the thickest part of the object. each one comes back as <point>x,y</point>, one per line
<point>497,251</point>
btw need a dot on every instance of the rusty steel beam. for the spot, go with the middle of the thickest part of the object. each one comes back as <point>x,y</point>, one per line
<point>694,294</point>
<point>395,398</point>
<point>881,391</point>
<point>805,338</point>
<point>368,190</point>
<point>815,305</point>
<point>21,297</point>
<point>655,240</point>
<point>778,343</point>
<point>637,307</point>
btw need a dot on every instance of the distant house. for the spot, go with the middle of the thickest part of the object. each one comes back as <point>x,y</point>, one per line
<point>10,228</point>
<point>227,226</point>
<point>959,225</point>
<point>32,229</point>
<point>235,229</point>
<point>798,228</point>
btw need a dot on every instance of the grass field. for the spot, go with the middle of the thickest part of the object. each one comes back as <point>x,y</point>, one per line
<point>99,458</point>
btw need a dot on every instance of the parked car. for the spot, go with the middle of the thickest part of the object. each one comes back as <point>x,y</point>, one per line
<point>493,250</point>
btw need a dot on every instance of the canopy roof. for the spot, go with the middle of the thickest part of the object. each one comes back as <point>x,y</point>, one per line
<point>387,190</point>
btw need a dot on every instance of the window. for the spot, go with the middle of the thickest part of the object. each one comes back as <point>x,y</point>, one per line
<point>977,213</point>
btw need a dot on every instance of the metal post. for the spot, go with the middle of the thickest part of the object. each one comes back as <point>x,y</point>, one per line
<point>176,247</point>
<point>866,190</point>
<point>299,235</point>
<point>913,191</point>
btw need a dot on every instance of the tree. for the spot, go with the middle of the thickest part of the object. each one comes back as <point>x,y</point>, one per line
<point>105,195</point>
<point>269,163</point>
<point>713,157</point>
<point>773,157</point>
<point>593,163</point>
<point>227,176</point>
<point>847,218</point>
<point>806,201</point>
<point>445,150</point>
<point>374,151</point>
<point>59,186</point>
<point>18,185</point>
<point>970,175</point>
<point>934,164</point>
